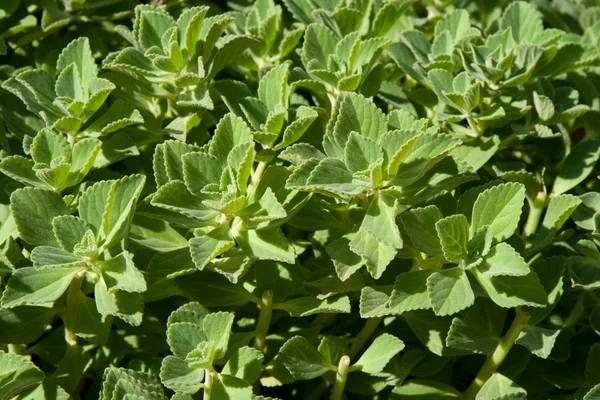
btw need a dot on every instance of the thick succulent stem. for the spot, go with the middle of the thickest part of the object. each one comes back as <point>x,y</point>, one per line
<point>495,359</point>
<point>340,378</point>
<point>208,382</point>
<point>535,213</point>
<point>264,320</point>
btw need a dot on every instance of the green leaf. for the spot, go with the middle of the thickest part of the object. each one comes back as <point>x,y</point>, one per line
<point>118,116</point>
<point>584,272</point>
<point>79,54</point>
<point>304,306</point>
<point>504,260</point>
<point>20,169</point>
<point>24,324</point>
<point>124,382</point>
<point>478,329</point>
<point>431,390</point>
<point>453,233</point>
<point>231,131</point>
<point>410,292</point>
<point>120,204</point>
<point>231,387</point>
<point>128,306</point>
<point>212,289</point>
<point>524,20</point>
<point>302,359</point>
<point>155,234</point>
<point>456,23</point>
<point>207,247</point>
<point>420,224</point>
<point>449,291</point>
<point>245,363</point>
<point>500,387</point>
<point>378,354</point>
<point>360,152</point>
<point>513,291</point>
<point>272,88</point>
<point>558,212</point>
<point>539,341</point>
<point>217,328</point>
<point>500,208</point>
<point>266,244</point>
<point>333,349</point>
<point>69,231</point>
<point>183,337</point>
<point>18,375</point>
<point>419,155</point>
<point>33,211</point>
<point>331,175</point>
<point>583,215</point>
<point>37,285</point>
<point>380,220</point>
<point>354,113</point>
<point>577,166</point>
<point>43,256</point>
<point>88,321</point>
<point>120,273</point>
<point>375,254</point>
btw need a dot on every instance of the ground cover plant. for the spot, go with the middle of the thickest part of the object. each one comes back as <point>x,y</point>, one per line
<point>299,199</point>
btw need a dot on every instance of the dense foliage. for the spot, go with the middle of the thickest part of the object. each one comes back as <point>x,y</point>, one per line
<point>311,199</point>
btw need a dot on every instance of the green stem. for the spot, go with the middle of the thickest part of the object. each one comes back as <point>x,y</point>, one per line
<point>533,219</point>
<point>71,310</point>
<point>319,391</point>
<point>363,336</point>
<point>495,359</point>
<point>576,312</point>
<point>473,124</point>
<point>208,382</point>
<point>340,378</point>
<point>264,320</point>
<point>257,174</point>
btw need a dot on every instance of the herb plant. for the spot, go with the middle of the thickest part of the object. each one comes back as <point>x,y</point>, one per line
<point>278,199</point>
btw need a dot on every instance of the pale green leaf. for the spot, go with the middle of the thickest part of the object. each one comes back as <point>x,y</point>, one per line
<point>33,211</point>
<point>302,359</point>
<point>177,375</point>
<point>309,305</point>
<point>503,259</point>
<point>578,165</point>
<point>524,20</point>
<point>449,291</point>
<point>245,363</point>
<point>120,273</point>
<point>539,341</point>
<point>453,233</point>
<point>499,387</point>
<point>513,291</point>
<point>410,292</point>
<point>420,224</point>
<point>478,329</point>
<point>31,285</point>
<point>500,208</point>
<point>217,328</point>
<point>378,354</point>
